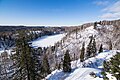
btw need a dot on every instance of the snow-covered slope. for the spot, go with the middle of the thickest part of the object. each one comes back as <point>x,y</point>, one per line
<point>47,41</point>
<point>102,34</point>
<point>79,72</point>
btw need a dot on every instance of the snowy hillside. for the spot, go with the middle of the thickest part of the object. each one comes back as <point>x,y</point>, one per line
<point>47,41</point>
<point>79,72</point>
<point>104,34</point>
<point>78,55</point>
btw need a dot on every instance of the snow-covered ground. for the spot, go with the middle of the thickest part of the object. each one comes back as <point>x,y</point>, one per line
<point>47,41</point>
<point>79,72</point>
<point>102,35</point>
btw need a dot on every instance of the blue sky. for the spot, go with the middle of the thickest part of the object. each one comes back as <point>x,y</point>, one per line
<point>57,12</point>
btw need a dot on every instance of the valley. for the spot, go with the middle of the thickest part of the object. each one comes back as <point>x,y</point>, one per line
<point>48,49</point>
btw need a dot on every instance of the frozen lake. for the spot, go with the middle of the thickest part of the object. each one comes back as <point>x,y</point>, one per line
<point>47,41</point>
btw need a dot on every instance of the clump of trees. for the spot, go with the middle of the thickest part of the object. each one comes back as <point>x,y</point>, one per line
<point>112,67</point>
<point>91,48</point>
<point>24,63</point>
<point>91,52</point>
<point>27,63</point>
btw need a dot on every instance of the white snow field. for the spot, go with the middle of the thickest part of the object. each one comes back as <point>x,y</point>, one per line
<point>47,41</point>
<point>79,72</point>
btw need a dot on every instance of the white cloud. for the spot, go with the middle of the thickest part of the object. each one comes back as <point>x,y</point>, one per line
<point>99,3</point>
<point>111,15</point>
<point>114,8</point>
<point>112,12</point>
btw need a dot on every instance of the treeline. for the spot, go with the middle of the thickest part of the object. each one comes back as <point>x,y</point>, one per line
<point>7,39</point>
<point>32,35</point>
<point>11,28</point>
<point>28,63</point>
<point>17,28</point>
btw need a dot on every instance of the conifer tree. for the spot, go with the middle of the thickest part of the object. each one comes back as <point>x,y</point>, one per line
<point>94,50</point>
<point>45,66</point>
<point>82,53</point>
<point>24,64</point>
<point>95,25</point>
<point>106,68</point>
<point>101,49</point>
<point>115,66</point>
<point>76,31</point>
<point>89,49</point>
<point>110,45</point>
<point>67,62</point>
<point>112,67</point>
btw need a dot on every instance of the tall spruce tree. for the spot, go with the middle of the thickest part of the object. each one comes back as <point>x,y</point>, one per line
<point>94,49</point>
<point>101,49</point>
<point>76,31</point>
<point>89,48</point>
<point>95,25</point>
<point>67,62</point>
<point>45,66</point>
<point>110,45</point>
<point>24,65</point>
<point>82,53</point>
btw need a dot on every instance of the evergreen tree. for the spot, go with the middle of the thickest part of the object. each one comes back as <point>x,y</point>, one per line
<point>105,65</point>
<point>24,63</point>
<point>94,50</point>
<point>59,66</point>
<point>101,49</point>
<point>95,25</point>
<point>110,45</point>
<point>45,66</point>
<point>82,53</point>
<point>112,67</point>
<point>76,31</point>
<point>67,62</point>
<point>89,48</point>
<point>36,65</point>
